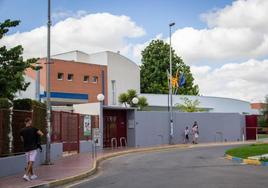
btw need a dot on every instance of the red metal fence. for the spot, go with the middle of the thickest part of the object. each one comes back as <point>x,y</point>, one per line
<point>66,127</point>
<point>251,127</point>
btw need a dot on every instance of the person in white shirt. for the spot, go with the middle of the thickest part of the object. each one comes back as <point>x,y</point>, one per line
<point>186,135</point>
<point>195,132</point>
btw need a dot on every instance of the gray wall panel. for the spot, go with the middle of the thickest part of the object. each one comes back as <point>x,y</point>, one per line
<point>152,128</point>
<point>16,164</point>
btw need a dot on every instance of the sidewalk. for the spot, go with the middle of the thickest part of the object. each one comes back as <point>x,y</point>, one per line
<point>65,167</point>
<point>81,165</point>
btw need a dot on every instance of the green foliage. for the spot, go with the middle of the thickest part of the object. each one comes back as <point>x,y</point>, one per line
<point>189,105</point>
<point>126,99</point>
<point>22,104</point>
<point>262,122</point>
<point>4,103</point>
<point>142,102</point>
<point>263,118</point>
<point>12,66</point>
<point>155,63</point>
<point>123,98</point>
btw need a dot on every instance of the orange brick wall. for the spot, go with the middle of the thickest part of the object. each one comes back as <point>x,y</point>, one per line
<point>77,85</point>
<point>257,106</point>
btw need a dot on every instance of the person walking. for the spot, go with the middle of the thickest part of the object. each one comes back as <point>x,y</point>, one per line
<point>30,136</point>
<point>186,135</point>
<point>195,132</point>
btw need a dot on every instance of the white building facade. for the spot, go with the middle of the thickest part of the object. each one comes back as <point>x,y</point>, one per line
<point>122,73</point>
<point>209,104</point>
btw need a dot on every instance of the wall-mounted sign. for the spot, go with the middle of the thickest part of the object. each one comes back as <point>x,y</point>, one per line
<point>131,124</point>
<point>96,136</point>
<point>87,125</point>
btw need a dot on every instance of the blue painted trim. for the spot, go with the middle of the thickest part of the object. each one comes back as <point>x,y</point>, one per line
<point>66,95</point>
<point>236,159</point>
<point>264,163</point>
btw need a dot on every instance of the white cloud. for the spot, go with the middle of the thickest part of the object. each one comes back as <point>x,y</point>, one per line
<point>241,14</point>
<point>247,80</point>
<point>89,33</point>
<point>235,33</point>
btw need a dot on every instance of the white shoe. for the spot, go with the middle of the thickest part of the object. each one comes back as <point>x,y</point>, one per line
<point>26,178</point>
<point>33,177</point>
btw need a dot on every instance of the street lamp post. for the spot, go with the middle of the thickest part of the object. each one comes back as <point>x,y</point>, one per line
<point>100,98</point>
<point>48,145</point>
<point>170,87</point>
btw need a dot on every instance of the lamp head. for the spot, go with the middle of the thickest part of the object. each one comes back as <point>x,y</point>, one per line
<point>171,24</point>
<point>135,100</point>
<point>100,97</point>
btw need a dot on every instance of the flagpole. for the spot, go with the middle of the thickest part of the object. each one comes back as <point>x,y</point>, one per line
<point>170,87</point>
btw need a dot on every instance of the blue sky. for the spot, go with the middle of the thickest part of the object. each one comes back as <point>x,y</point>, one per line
<point>153,15</point>
<point>227,49</point>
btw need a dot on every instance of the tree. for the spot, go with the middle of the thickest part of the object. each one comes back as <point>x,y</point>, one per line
<point>263,118</point>
<point>189,105</point>
<point>155,63</point>
<point>126,99</point>
<point>12,66</point>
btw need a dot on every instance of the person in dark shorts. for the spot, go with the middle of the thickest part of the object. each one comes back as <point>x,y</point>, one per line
<point>30,136</point>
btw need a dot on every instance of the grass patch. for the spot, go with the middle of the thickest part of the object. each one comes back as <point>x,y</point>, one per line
<point>248,151</point>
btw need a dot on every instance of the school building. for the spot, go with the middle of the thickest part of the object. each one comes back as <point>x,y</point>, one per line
<point>77,77</point>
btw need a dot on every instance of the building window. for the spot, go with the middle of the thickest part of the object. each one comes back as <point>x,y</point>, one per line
<point>114,92</point>
<point>95,79</point>
<point>70,77</point>
<point>86,78</point>
<point>60,76</point>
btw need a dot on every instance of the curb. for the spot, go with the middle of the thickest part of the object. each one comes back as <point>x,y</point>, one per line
<point>246,161</point>
<point>96,163</point>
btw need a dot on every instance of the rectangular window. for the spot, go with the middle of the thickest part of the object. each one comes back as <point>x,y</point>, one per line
<point>95,79</point>
<point>86,78</point>
<point>60,76</point>
<point>114,92</point>
<point>70,77</point>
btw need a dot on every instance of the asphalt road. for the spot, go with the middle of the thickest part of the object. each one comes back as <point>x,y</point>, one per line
<point>187,168</point>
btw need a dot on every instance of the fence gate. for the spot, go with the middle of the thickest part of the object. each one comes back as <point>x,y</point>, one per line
<point>65,128</point>
<point>251,127</point>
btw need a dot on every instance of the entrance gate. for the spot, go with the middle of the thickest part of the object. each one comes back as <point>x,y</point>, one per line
<point>114,127</point>
<point>251,127</point>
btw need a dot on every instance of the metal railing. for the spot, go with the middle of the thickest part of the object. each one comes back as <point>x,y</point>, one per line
<point>113,143</point>
<point>121,142</point>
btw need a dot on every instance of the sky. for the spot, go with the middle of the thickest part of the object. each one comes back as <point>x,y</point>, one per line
<point>224,42</point>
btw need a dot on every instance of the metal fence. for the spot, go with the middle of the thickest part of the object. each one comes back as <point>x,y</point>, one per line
<point>66,127</point>
<point>11,122</point>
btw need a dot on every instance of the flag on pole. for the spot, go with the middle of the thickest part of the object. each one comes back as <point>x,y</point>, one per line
<point>182,80</point>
